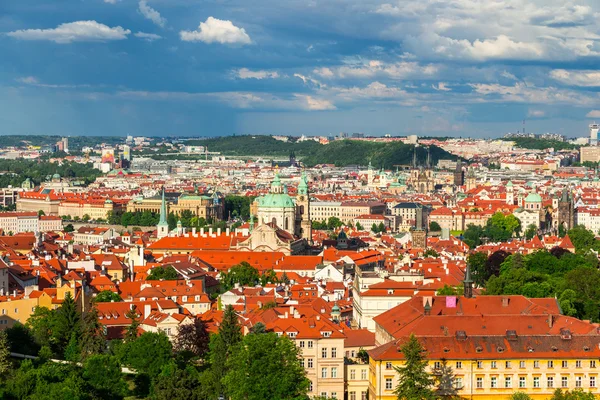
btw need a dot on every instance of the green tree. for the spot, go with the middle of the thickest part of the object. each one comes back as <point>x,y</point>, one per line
<point>472,236</point>
<point>434,226</point>
<point>381,227</point>
<point>147,353</point>
<point>4,354</point>
<point>167,273</point>
<point>477,261</point>
<point>103,374</point>
<point>268,276</point>
<point>374,228</point>
<point>66,323</point>
<point>445,382</point>
<point>69,228</point>
<point>576,394</point>
<point>359,227</point>
<point>131,332</point>
<point>243,274</point>
<point>107,296</point>
<point>414,382</point>
<point>93,339</point>
<point>41,324</point>
<point>334,223</point>
<point>221,346</point>
<point>448,290</point>
<point>582,239</point>
<point>265,366</point>
<point>520,396</point>
<point>85,218</point>
<point>531,231</point>
<point>72,351</point>
<point>179,384</point>
<point>41,213</point>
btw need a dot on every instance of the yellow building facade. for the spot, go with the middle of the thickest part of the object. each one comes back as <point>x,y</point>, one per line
<point>500,378</point>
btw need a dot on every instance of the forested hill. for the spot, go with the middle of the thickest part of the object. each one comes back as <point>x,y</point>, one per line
<point>339,152</point>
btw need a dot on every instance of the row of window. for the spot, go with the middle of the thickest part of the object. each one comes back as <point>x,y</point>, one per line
<point>363,374</point>
<point>509,364</point>
<point>352,395</point>
<point>334,373</point>
<point>550,382</point>
<point>323,349</point>
<point>508,382</point>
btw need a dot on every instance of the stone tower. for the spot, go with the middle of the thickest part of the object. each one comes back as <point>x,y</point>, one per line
<point>566,211</point>
<point>459,175</point>
<point>471,181</point>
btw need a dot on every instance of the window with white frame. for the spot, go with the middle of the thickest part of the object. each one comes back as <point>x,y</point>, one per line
<point>388,384</point>
<point>522,382</point>
<point>323,372</point>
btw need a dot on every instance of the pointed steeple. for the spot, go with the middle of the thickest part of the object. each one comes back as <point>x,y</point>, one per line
<point>468,283</point>
<point>251,222</point>
<point>162,229</point>
<point>414,162</point>
<point>163,209</point>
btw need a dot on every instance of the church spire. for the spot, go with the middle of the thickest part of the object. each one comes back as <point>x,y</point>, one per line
<point>163,209</point>
<point>162,229</point>
<point>468,283</point>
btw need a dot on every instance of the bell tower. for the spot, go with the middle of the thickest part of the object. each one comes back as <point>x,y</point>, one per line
<point>303,222</point>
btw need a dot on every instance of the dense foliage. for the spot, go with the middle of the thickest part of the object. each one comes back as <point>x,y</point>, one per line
<point>238,206</point>
<point>499,228</point>
<point>414,382</point>
<point>196,367</point>
<point>14,172</point>
<point>339,152</point>
<point>573,278</point>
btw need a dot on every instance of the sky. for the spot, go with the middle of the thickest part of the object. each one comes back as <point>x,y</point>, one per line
<point>477,68</point>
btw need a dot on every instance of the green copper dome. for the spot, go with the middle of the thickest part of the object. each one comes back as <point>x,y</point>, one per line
<point>276,200</point>
<point>533,198</point>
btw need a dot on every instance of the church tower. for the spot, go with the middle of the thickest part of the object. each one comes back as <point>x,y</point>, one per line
<point>459,175</point>
<point>566,211</point>
<point>510,193</point>
<point>303,222</point>
<point>471,181</point>
<point>162,229</point>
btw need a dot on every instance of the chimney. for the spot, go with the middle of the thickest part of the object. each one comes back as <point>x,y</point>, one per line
<point>227,232</point>
<point>210,231</point>
<point>550,320</point>
<point>218,231</point>
<point>194,231</point>
<point>147,310</point>
<point>201,231</point>
<point>505,301</point>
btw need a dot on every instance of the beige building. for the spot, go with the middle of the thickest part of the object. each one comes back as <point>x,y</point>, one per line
<point>589,153</point>
<point>321,345</point>
<point>94,208</point>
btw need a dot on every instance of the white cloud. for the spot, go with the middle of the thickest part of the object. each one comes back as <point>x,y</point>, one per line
<point>245,73</point>
<point>111,1</point>
<point>377,68</point>
<point>441,87</point>
<point>28,80</point>
<point>78,31</point>
<point>536,113</point>
<point>33,81</point>
<point>149,37</point>
<point>508,75</point>
<point>314,104</point>
<point>151,14</point>
<point>215,30</point>
<point>589,78</point>
<point>593,114</point>
<point>523,93</point>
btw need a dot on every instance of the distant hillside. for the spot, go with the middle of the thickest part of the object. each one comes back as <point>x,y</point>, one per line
<point>341,152</point>
<point>386,155</point>
<point>259,145</point>
<point>541,144</point>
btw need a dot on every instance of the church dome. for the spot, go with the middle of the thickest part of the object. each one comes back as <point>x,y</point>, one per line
<point>276,200</point>
<point>533,198</point>
<point>56,176</point>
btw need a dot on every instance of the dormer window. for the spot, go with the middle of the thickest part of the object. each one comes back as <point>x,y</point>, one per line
<point>292,334</point>
<point>326,334</point>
